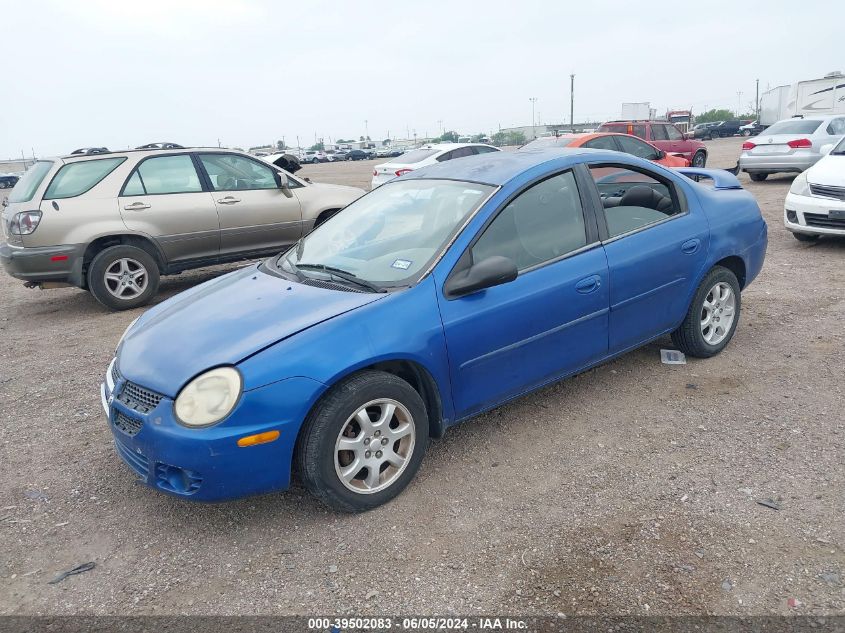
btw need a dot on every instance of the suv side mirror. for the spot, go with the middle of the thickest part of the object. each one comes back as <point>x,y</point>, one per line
<point>282,183</point>
<point>493,271</point>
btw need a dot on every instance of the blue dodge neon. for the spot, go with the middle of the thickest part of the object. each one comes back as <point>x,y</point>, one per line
<point>439,295</point>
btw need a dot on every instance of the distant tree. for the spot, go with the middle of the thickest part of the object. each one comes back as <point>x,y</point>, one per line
<point>508,138</point>
<point>385,142</point>
<point>360,138</point>
<point>280,145</point>
<point>447,137</point>
<point>476,138</point>
<point>317,147</point>
<point>341,140</point>
<point>715,115</point>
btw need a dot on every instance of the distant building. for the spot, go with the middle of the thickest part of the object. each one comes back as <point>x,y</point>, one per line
<point>551,129</point>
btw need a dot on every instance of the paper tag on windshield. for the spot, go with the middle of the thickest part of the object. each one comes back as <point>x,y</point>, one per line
<point>401,264</point>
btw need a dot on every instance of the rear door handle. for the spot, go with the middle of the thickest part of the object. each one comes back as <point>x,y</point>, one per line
<point>136,206</point>
<point>690,246</point>
<point>229,200</point>
<point>588,284</point>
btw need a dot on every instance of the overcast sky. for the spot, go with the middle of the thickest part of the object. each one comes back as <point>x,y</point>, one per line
<point>125,72</point>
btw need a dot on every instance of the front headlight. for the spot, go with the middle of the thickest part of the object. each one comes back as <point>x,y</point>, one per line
<point>209,398</point>
<point>799,185</point>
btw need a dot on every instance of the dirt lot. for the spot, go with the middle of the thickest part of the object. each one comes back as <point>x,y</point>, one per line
<point>632,488</point>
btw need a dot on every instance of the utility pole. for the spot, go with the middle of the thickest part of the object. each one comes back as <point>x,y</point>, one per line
<point>440,125</point>
<point>757,101</point>
<point>298,146</point>
<point>366,130</point>
<point>533,101</point>
<point>738,102</point>
<point>572,102</point>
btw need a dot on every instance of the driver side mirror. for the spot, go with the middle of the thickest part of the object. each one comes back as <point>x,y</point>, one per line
<point>493,271</point>
<point>282,183</point>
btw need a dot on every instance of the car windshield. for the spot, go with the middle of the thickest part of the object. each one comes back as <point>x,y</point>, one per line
<point>29,182</point>
<point>839,150</point>
<point>417,155</point>
<point>549,141</point>
<point>794,126</point>
<point>388,236</point>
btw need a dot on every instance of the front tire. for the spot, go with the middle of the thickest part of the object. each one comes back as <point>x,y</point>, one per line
<point>363,442</point>
<point>805,237</point>
<point>123,277</point>
<point>712,317</point>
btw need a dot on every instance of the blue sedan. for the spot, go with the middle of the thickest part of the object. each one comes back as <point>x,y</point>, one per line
<point>438,296</point>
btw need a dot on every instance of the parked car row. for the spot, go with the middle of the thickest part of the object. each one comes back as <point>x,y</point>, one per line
<point>7,181</point>
<point>329,156</point>
<point>663,135</point>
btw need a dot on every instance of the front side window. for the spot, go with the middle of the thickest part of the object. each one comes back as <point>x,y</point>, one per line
<point>542,223</point>
<point>229,172</point>
<point>658,133</point>
<point>633,199</point>
<point>674,134</point>
<point>164,174</point>
<point>638,130</point>
<point>75,179</point>
<point>636,147</point>
<point>28,184</point>
<point>389,235</point>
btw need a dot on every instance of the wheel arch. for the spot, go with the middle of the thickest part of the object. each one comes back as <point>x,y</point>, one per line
<point>736,265</point>
<point>105,241</point>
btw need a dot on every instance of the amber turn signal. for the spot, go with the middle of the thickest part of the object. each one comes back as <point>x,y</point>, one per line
<point>259,438</point>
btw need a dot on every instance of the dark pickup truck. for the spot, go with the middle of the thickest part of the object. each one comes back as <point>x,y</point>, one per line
<point>727,128</point>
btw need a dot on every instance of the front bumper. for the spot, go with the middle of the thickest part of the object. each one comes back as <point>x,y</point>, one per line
<point>206,464</point>
<point>775,163</point>
<point>812,215</point>
<point>45,263</point>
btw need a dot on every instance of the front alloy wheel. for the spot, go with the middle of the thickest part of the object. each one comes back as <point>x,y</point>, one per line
<point>363,441</point>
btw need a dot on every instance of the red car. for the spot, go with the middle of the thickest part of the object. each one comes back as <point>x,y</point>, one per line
<point>663,135</point>
<point>617,142</point>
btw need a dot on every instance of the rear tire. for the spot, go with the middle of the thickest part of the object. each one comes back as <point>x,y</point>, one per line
<point>716,300</point>
<point>805,237</point>
<point>123,277</point>
<point>758,177</point>
<point>329,471</point>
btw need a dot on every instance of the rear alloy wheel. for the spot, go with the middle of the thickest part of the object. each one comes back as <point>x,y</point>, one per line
<point>123,277</point>
<point>363,442</point>
<point>712,316</point>
<point>805,237</point>
<point>758,177</point>
<point>699,160</point>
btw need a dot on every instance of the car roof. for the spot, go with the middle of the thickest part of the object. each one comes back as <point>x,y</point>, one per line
<point>443,147</point>
<point>497,168</point>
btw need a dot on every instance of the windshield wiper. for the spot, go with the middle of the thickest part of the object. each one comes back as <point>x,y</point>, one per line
<point>342,274</point>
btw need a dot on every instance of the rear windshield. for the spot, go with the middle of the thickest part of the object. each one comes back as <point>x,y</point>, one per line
<point>416,155</point>
<point>612,127</point>
<point>76,178</point>
<point>795,126</point>
<point>30,181</point>
<point>549,141</point>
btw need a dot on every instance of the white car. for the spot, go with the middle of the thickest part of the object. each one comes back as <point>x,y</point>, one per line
<point>815,204</point>
<point>423,156</point>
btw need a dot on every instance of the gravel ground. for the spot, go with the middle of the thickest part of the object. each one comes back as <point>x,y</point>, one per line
<point>630,489</point>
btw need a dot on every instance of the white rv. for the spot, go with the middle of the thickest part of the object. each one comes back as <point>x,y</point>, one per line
<point>818,96</point>
<point>773,105</point>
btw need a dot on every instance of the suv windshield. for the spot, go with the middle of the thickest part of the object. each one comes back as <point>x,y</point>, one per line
<point>796,126</point>
<point>389,235</point>
<point>29,182</point>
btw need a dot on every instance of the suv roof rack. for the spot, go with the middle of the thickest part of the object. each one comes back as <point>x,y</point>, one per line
<point>161,145</point>
<point>91,150</point>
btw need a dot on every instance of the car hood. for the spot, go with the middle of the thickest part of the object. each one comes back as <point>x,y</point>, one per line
<point>222,322</point>
<point>829,171</point>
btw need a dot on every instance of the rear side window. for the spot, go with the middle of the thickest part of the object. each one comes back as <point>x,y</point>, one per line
<point>836,127</point>
<point>613,127</point>
<point>30,181</point>
<point>601,142</point>
<point>794,126</point>
<point>75,179</point>
<point>636,147</point>
<point>415,156</point>
<point>483,149</point>
<point>164,174</point>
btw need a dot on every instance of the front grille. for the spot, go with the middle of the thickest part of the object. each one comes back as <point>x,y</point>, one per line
<point>128,425</point>
<point>823,221</point>
<point>136,461</point>
<point>138,398</point>
<point>328,285</point>
<point>827,191</point>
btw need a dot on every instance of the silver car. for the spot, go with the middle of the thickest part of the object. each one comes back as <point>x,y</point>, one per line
<point>792,145</point>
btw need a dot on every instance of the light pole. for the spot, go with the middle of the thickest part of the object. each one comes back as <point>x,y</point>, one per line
<point>572,102</point>
<point>366,130</point>
<point>738,102</point>
<point>757,101</point>
<point>533,101</point>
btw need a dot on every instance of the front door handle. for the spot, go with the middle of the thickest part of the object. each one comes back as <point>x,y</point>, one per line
<point>588,284</point>
<point>229,200</point>
<point>691,246</point>
<point>137,206</point>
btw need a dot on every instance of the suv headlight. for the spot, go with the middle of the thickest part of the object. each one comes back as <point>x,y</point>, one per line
<point>799,185</point>
<point>209,398</point>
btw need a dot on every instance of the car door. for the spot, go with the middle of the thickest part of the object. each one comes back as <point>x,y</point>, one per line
<point>165,199</point>
<point>256,216</point>
<point>551,320</point>
<point>677,143</point>
<point>656,242</point>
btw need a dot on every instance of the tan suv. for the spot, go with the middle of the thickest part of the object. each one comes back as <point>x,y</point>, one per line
<point>113,222</point>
